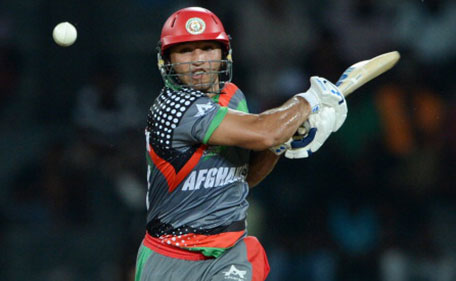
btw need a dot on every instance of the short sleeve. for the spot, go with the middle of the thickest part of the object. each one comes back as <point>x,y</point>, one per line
<point>199,122</point>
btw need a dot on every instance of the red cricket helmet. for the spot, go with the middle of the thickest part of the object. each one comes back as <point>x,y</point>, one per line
<point>192,24</point>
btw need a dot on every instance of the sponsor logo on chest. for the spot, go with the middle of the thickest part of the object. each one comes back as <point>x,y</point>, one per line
<point>214,177</point>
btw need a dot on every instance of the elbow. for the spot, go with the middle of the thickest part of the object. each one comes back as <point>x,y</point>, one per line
<point>252,184</point>
<point>252,181</point>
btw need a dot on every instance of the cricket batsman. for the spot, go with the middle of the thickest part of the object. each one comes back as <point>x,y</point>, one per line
<point>205,150</point>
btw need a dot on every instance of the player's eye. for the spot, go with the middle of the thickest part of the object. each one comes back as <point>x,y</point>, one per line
<point>207,48</point>
<point>185,50</point>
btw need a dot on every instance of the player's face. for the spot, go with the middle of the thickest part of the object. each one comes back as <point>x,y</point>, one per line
<point>197,64</point>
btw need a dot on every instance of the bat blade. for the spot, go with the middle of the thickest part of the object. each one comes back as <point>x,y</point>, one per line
<point>362,72</point>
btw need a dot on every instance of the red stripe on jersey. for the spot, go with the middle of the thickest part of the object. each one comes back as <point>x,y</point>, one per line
<point>227,93</point>
<point>174,179</point>
<point>157,245</point>
<point>257,258</point>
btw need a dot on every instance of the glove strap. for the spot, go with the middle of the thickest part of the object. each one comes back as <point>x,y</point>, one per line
<point>312,99</point>
<point>279,149</point>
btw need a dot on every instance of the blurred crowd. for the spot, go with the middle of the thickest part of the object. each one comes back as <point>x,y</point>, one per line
<point>376,203</point>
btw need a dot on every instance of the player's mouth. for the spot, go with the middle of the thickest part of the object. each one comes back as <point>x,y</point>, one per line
<point>198,74</point>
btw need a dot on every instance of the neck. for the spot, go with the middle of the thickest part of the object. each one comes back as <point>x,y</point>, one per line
<point>215,88</point>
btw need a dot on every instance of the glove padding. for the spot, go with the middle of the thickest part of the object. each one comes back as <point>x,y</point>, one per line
<point>322,125</point>
<point>322,93</point>
<point>281,148</point>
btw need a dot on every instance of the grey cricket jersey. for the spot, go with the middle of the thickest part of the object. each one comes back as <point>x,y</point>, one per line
<point>196,197</point>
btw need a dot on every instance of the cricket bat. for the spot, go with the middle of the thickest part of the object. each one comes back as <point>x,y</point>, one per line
<point>359,74</point>
<point>362,72</point>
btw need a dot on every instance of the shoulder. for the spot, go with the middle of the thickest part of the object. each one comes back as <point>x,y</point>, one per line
<point>179,96</point>
<point>233,97</point>
<point>171,106</point>
<point>180,99</point>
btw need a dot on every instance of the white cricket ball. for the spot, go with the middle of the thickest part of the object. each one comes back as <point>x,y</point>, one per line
<point>64,34</point>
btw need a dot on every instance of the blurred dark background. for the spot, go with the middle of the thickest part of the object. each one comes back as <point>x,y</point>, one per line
<point>377,202</point>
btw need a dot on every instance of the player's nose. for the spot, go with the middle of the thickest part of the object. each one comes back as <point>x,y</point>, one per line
<point>198,56</point>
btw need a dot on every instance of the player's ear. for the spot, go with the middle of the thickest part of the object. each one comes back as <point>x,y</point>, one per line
<point>162,57</point>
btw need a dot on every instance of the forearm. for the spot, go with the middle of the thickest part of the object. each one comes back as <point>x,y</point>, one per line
<point>261,131</point>
<point>261,164</point>
<point>283,121</point>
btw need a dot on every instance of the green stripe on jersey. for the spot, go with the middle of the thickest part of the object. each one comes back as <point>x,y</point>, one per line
<point>242,106</point>
<point>209,252</point>
<point>215,123</point>
<point>144,254</point>
<point>148,159</point>
<point>216,98</point>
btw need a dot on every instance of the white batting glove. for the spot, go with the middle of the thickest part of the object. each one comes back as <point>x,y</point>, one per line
<point>323,93</point>
<point>300,134</point>
<point>322,125</point>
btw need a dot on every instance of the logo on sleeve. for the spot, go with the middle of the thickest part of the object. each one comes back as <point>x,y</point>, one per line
<point>203,108</point>
<point>235,274</point>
